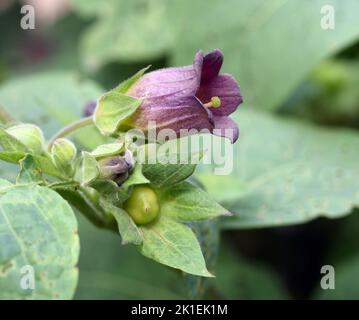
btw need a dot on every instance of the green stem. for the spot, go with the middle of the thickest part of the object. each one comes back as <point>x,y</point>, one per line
<point>70,129</point>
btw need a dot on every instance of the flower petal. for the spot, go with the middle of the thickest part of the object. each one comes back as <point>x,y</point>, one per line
<point>212,63</point>
<point>168,84</point>
<point>226,88</point>
<point>198,64</point>
<point>226,127</point>
<point>183,113</point>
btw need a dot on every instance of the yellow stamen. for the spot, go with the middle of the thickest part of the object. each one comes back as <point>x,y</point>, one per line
<point>214,103</point>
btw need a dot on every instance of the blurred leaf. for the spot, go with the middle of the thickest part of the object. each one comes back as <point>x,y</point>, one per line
<point>120,272</point>
<point>344,244</point>
<point>51,100</point>
<point>43,235</point>
<point>287,172</point>
<point>207,233</point>
<point>238,278</point>
<point>269,45</point>
<point>126,30</point>
<point>330,95</point>
<point>343,255</point>
<point>346,282</point>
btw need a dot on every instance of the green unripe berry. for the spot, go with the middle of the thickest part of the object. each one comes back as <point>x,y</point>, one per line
<point>142,206</point>
<point>29,135</point>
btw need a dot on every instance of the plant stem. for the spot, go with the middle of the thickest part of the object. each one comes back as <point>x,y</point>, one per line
<point>69,129</point>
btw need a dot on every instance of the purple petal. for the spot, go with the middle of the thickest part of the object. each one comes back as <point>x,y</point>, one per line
<point>226,127</point>
<point>198,64</point>
<point>169,84</point>
<point>183,113</point>
<point>226,88</point>
<point>212,64</point>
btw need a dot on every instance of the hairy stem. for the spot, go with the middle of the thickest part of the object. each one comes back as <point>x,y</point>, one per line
<point>70,129</point>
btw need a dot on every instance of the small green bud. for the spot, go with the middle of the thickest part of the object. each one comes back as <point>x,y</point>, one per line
<point>142,206</point>
<point>63,153</point>
<point>29,135</point>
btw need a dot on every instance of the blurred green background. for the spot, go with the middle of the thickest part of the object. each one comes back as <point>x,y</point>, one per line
<point>297,160</point>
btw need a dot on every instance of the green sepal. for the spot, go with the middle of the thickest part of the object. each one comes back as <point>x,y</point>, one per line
<point>107,150</point>
<point>124,86</point>
<point>112,109</point>
<point>63,153</point>
<point>29,135</point>
<point>88,170</point>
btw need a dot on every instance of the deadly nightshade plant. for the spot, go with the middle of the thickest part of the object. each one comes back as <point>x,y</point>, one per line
<point>150,205</point>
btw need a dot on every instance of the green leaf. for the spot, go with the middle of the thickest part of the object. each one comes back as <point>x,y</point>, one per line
<point>185,202</point>
<point>112,109</point>
<point>107,150</point>
<point>39,230</point>
<point>54,108</point>
<point>175,161</point>
<point>89,169</point>
<point>128,230</point>
<point>29,172</point>
<point>266,43</point>
<point>287,172</point>
<point>84,201</point>
<point>173,244</point>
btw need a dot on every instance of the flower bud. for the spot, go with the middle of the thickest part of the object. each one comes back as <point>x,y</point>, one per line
<point>29,135</point>
<point>142,206</point>
<point>89,108</point>
<point>63,154</point>
<point>115,168</point>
